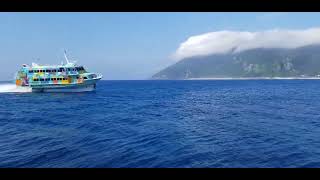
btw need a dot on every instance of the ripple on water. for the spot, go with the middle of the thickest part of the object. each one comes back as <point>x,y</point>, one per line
<point>261,123</point>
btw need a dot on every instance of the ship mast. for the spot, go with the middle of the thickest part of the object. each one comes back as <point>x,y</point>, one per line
<point>72,63</point>
<point>65,56</point>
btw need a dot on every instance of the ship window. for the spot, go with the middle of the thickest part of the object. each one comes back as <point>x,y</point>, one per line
<point>49,70</point>
<point>35,79</point>
<point>68,69</point>
<point>59,70</point>
<point>41,79</point>
<point>85,78</point>
<point>54,70</point>
<point>30,71</point>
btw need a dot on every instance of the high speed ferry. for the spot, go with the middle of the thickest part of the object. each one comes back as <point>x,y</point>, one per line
<point>67,77</point>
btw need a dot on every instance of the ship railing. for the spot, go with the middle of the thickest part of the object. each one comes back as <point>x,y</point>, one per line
<point>99,76</point>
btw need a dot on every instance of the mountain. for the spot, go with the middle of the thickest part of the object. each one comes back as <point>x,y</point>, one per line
<point>272,62</point>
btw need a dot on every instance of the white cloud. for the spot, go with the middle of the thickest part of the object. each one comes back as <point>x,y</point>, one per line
<point>224,41</point>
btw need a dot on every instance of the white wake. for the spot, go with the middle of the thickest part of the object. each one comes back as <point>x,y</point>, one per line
<point>12,88</point>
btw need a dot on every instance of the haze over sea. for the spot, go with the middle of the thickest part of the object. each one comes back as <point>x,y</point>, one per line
<point>203,123</point>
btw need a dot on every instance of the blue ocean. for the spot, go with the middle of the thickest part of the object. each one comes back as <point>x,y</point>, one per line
<point>165,124</point>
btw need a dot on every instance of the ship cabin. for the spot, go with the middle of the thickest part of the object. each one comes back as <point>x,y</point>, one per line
<point>52,75</point>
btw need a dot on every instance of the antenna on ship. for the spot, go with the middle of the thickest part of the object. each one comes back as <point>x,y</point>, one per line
<point>65,56</point>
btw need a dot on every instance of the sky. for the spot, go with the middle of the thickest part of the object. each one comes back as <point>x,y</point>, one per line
<point>129,45</point>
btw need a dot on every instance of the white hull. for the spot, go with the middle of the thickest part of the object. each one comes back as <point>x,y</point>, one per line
<point>86,88</point>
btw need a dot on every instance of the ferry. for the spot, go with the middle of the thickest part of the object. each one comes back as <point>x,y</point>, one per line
<point>67,77</point>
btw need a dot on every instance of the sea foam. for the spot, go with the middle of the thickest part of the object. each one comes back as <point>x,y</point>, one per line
<point>12,88</point>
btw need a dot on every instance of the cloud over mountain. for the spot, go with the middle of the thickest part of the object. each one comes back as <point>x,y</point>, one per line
<point>225,41</point>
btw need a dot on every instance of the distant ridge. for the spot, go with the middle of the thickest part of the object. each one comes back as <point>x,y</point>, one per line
<point>302,62</point>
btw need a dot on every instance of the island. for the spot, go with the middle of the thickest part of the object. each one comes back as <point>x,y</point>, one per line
<point>260,63</point>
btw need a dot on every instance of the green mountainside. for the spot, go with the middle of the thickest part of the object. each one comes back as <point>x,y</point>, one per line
<point>303,61</point>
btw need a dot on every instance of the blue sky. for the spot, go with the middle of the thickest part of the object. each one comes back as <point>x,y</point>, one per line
<point>121,45</point>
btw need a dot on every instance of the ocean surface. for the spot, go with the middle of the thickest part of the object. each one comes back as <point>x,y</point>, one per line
<point>209,123</point>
